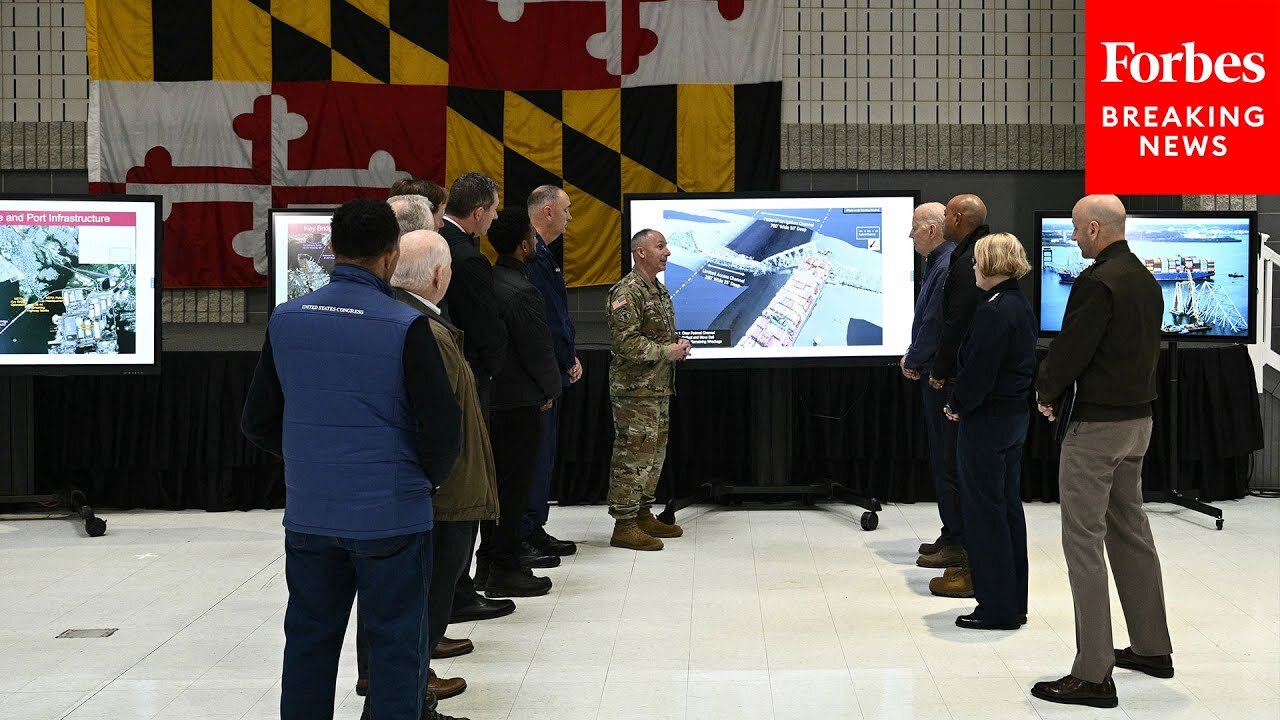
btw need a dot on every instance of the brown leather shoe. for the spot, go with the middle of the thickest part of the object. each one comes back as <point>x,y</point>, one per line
<point>958,584</point>
<point>628,535</point>
<point>1160,666</point>
<point>653,527</point>
<point>447,648</point>
<point>949,556</point>
<point>444,688</point>
<point>1071,690</point>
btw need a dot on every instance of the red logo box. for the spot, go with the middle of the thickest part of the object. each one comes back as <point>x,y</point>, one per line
<point>1182,98</point>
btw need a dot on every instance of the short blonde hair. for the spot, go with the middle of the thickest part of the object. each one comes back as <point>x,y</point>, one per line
<point>1001,254</point>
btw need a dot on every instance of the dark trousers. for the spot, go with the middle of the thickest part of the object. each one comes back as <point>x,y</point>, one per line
<point>942,463</point>
<point>324,575</point>
<point>466,587</point>
<point>990,460</point>
<point>451,544</point>
<point>515,434</point>
<point>540,488</point>
<point>454,542</point>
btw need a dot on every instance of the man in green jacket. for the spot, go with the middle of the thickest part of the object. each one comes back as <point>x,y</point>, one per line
<point>1107,350</point>
<point>470,493</point>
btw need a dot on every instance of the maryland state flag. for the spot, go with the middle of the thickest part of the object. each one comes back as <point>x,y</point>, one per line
<point>229,107</point>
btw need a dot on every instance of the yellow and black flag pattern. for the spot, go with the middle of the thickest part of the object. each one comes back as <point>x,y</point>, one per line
<point>601,145</point>
<point>372,41</point>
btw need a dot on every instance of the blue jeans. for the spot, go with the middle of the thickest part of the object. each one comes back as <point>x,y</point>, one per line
<point>452,543</point>
<point>324,575</point>
<point>535,517</point>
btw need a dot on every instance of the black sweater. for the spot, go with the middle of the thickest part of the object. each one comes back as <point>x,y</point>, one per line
<point>1110,340</point>
<point>960,294</point>
<point>530,375</point>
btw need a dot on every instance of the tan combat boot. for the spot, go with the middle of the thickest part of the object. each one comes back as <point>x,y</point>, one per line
<point>626,534</point>
<point>955,582</point>
<point>655,527</point>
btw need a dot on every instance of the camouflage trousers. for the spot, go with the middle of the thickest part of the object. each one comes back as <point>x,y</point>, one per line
<point>639,450</point>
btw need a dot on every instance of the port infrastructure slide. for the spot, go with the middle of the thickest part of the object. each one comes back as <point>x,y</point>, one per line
<point>80,284</point>
<point>1205,264</point>
<point>785,279</point>
<point>299,258</point>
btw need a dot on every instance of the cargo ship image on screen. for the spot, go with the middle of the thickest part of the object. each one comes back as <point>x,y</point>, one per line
<point>1163,269</point>
<point>1186,256</point>
<point>54,304</point>
<point>777,277</point>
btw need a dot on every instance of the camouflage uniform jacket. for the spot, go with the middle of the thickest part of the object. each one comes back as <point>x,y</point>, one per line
<point>642,323</point>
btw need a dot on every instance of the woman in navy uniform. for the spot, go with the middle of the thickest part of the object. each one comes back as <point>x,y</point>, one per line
<point>991,401</point>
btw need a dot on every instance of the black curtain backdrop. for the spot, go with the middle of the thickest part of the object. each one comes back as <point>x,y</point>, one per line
<point>173,441</point>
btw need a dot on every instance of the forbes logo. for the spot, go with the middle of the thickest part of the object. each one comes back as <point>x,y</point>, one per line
<point>1174,67</point>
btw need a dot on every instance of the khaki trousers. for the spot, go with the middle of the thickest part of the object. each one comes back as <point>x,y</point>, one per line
<point>1100,482</point>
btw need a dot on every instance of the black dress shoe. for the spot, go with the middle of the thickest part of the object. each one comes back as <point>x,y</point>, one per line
<point>930,548</point>
<point>473,606</point>
<point>1160,666</point>
<point>520,582</point>
<point>431,709</point>
<point>532,557</point>
<point>550,545</point>
<point>969,622</point>
<point>1071,690</point>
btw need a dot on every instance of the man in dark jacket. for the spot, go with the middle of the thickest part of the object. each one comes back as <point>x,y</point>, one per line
<point>470,305</point>
<point>1108,349</point>
<point>526,387</point>
<point>962,224</point>
<point>351,391</point>
<point>549,213</point>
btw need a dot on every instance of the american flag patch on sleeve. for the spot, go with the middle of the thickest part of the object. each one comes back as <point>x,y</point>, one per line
<point>618,303</point>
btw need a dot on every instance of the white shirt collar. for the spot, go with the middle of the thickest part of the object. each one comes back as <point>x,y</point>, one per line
<point>435,308</point>
<point>455,224</point>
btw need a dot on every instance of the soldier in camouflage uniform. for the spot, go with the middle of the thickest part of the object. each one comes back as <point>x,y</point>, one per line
<point>642,324</point>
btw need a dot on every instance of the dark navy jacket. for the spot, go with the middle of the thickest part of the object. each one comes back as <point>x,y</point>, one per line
<point>997,363</point>
<point>363,440</point>
<point>926,328</point>
<point>545,275</point>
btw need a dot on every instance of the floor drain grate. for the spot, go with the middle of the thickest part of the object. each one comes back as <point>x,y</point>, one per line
<point>89,633</point>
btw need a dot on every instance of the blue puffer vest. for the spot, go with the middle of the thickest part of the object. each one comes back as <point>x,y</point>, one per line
<point>351,469</point>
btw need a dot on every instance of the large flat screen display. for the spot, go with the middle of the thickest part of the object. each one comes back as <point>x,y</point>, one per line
<point>300,258</point>
<point>78,284</point>
<point>785,277</point>
<point>1204,262</point>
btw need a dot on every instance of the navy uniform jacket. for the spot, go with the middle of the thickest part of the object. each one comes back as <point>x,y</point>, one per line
<point>545,275</point>
<point>997,360</point>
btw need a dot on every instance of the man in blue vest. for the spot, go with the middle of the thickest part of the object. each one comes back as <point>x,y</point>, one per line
<point>365,443</point>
